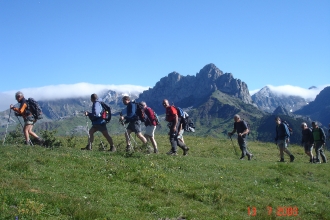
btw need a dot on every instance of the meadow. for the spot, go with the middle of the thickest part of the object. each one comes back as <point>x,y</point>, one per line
<point>64,182</point>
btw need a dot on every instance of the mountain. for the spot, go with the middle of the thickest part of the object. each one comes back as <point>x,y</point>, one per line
<point>211,98</point>
<point>319,109</point>
<point>268,101</point>
<point>282,111</point>
<point>186,91</point>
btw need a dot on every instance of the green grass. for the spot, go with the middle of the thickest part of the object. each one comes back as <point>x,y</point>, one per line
<point>209,183</point>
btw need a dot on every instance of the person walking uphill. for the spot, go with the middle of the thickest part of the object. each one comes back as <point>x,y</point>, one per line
<point>151,124</point>
<point>282,139</point>
<point>172,117</point>
<point>319,142</point>
<point>307,140</point>
<point>98,123</point>
<point>134,123</point>
<point>242,130</point>
<point>29,120</point>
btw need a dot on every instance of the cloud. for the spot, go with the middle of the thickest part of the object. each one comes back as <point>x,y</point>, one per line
<point>288,90</point>
<point>63,91</point>
<point>252,92</point>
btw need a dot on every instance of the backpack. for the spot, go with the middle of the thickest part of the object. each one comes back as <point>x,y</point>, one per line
<point>106,113</point>
<point>34,108</point>
<point>187,123</point>
<point>156,118</point>
<point>287,124</point>
<point>180,111</point>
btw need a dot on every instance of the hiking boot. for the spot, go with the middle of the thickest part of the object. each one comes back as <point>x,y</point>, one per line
<point>171,153</point>
<point>156,151</point>
<point>128,148</point>
<point>281,160</point>
<point>88,147</point>
<point>27,142</point>
<point>112,149</point>
<point>291,158</point>
<point>250,156</point>
<point>40,141</point>
<point>241,158</point>
<point>311,161</point>
<point>185,151</point>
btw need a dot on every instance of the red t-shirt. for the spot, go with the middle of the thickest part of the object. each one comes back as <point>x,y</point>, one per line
<point>170,113</point>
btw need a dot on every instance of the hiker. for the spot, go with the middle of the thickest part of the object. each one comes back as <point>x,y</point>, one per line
<point>307,140</point>
<point>242,130</point>
<point>319,142</point>
<point>98,124</point>
<point>134,123</point>
<point>151,124</point>
<point>175,122</point>
<point>282,139</point>
<point>29,120</point>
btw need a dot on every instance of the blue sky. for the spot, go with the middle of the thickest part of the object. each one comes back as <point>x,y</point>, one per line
<point>128,42</point>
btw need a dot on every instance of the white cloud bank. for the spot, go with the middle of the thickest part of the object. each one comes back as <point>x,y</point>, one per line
<point>288,90</point>
<point>85,89</point>
<point>66,91</point>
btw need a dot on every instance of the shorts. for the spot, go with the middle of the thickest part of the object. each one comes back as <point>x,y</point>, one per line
<point>100,127</point>
<point>282,144</point>
<point>29,120</point>
<point>134,126</point>
<point>180,135</point>
<point>150,130</point>
<point>308,147</point>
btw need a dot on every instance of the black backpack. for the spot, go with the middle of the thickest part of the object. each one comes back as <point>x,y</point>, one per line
<point>34,108</point>
<point>187,122</point>
<point>106,113</point>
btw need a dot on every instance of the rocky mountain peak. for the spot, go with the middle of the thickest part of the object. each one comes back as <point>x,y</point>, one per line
<point>209,71</point>
<point>280,110</point>
<point>190,90</point>
<point>268,101</point>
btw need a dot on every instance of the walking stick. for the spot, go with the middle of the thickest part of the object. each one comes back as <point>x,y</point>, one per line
<point>126,132</point>
<point>234,146</point>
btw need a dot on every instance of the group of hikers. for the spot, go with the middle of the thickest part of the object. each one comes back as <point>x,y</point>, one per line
<point>311,138</point>
<point>132,119</point>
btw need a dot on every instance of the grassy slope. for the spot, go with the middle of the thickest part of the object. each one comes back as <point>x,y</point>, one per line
<point>210,183</point>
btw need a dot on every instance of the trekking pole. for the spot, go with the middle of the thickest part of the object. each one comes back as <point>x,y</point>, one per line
<point>233,146</point>
<point>4,139</point>
<point>126,132</point>
<point>23,130</point>
<point>87,130</point>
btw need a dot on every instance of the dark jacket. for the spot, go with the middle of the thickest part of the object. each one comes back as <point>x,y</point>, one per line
<point>240,127</point>
<point>282,132</point>
<point>95,115</point>
<point>307,136</point>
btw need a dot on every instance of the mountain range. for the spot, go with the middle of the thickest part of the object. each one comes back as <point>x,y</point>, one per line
<point>211,98</point>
